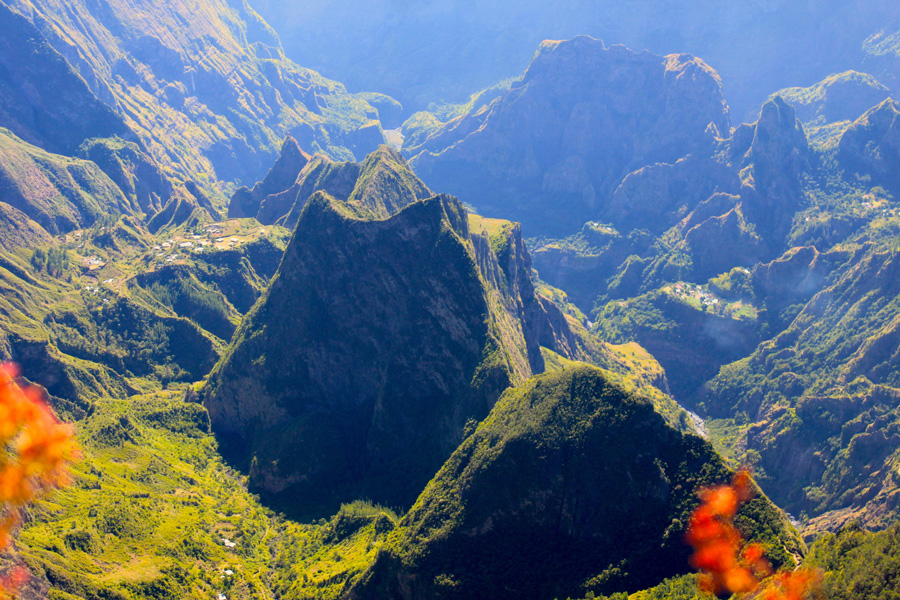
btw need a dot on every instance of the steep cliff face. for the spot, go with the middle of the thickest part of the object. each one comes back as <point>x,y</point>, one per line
<point>570,485</point>
<point>552,150</point>
<point>778,154</point>
<point>204,86</point>
<point>374,345</point>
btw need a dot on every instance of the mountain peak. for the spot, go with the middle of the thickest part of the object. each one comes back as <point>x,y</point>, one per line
<point>377,339</point>
<point>574,461</point>
<point>386,184</point>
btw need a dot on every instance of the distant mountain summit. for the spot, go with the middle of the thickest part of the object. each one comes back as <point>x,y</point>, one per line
<point>380,186</point>
<point>451,49</point>
<point>551,151</point>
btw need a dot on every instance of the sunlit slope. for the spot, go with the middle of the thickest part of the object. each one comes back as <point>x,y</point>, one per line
<point>204,85</point>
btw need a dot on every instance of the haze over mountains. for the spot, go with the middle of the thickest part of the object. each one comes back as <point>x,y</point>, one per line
<point>307,363</point>
<point>450,49</point>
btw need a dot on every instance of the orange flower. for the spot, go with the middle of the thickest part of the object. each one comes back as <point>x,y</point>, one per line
<point>726,562</point>
<point>35,451</point>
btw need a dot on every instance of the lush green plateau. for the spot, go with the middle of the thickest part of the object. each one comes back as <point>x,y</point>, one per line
<point>298,367</point>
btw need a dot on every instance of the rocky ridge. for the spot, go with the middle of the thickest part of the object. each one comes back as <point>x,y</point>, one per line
<point>431,306</point>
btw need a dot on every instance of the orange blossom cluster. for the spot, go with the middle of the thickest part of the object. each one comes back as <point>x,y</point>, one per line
<point>727,563</point>
<point>35,449</point>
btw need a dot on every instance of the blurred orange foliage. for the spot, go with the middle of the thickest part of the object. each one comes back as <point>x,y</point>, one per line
<point>727,563</point>
<point>35,453</point>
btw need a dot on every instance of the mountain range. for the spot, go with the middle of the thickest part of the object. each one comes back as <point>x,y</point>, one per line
<point>317,343</point>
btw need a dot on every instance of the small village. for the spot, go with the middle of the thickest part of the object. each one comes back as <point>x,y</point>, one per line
<point>227,235</point>
<point>702,299</point>
<point>693,293</point>
<point>104,276</point>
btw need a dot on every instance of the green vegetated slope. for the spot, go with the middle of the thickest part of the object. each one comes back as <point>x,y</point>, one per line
<point>570,485</point>
<point>392,323</point>
<point>395,319</point>
<point>59,193</point>
<point>205,87</point>
<point>111,309</point>
<point>882,53</point>
<point>827,389</point>
<point>106,177</point>
<point>858,564</point>
<point>154,512</point>
<point>152,506</point>
<point>815,401</point>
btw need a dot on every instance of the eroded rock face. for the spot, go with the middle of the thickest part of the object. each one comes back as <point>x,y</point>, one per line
<point>246,202</point>
<point>553,149</point>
